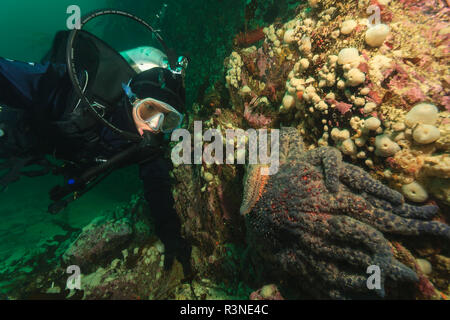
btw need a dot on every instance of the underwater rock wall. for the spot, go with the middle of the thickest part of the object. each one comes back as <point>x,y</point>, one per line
<point>207,199</point>
<point>379,93</point>
<point>369,91</point>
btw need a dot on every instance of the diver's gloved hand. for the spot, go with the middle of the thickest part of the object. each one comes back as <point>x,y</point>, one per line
<point>180,249</point>
<point>151,139</point>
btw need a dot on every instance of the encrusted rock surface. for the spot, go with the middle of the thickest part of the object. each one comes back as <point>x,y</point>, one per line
<point>319,223</point>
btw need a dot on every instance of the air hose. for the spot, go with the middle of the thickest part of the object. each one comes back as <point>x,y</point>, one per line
<point>78,186</point>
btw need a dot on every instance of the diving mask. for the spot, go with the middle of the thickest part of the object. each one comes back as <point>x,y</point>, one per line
<point>159,116</point>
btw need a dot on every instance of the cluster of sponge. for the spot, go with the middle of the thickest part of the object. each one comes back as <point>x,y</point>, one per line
<point>234,66</point>
<point>344,76</point>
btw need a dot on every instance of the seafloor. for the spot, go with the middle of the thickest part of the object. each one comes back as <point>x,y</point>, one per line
<point>364,178</point>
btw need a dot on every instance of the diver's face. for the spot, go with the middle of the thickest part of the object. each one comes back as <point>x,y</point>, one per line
<point>144,112</point>
<point>155,116</point>
<point>141,125</point>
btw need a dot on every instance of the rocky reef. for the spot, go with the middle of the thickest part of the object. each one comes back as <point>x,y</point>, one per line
<point>360,91</point>
<point>367,88</point>
<point>120,257</point>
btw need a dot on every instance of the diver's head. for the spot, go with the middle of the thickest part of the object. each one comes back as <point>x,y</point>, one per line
<point>158,100</point>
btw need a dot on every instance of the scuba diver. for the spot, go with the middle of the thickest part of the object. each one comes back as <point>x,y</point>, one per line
<point>97,110</point>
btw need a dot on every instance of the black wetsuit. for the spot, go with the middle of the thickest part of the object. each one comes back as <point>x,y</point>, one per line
<point>45,92</point>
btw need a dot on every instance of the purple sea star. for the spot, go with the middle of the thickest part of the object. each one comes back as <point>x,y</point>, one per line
<point>320,222</point>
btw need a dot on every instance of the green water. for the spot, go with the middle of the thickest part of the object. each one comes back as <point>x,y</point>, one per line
<point>27,32</point>
<point>28,27</point>
<point>203,30</point>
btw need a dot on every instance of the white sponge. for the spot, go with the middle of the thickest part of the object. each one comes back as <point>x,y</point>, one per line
<point>289,36</point>
<point>355,77</point>
<point>385,147</point>
<point>376,35</point>
<point>425,113</point>
<point>348,26</point>
<point>288,101</point>
<point>372,123</point>
<point>348,55</point>
<point>426,133</point>
<point>348,147</point>
<point>415,192</point>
